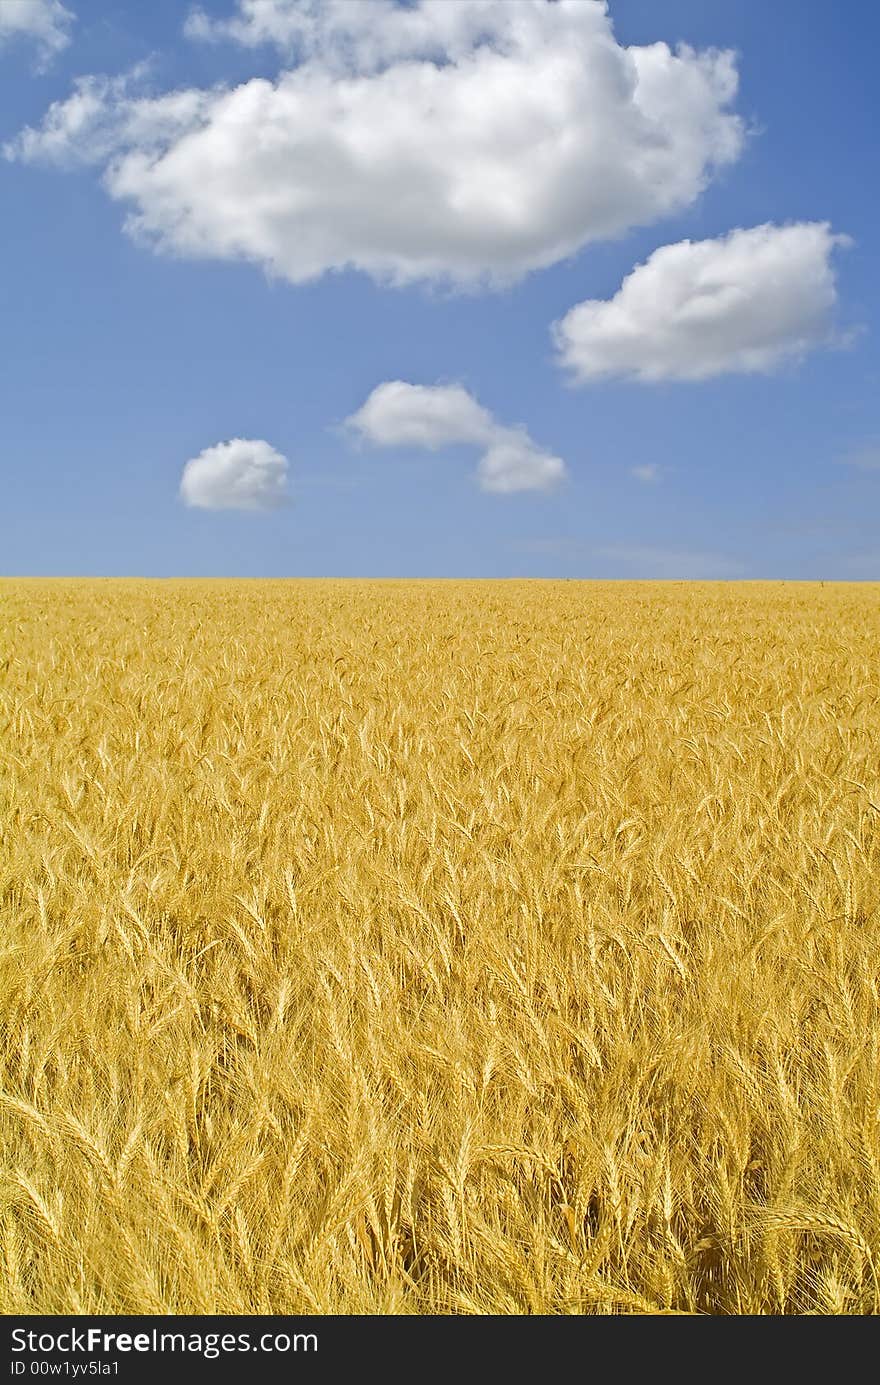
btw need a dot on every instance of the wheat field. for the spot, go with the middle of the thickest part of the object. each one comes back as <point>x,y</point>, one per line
<point>439,947</point>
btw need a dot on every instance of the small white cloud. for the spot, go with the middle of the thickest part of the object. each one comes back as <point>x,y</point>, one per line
<point>46,23</point>
<point>648,472</point>
<point>465,141</point>
<point>398,414</point>
<point>512,462</point>
<point>747,302</point>
<point>242,474</point>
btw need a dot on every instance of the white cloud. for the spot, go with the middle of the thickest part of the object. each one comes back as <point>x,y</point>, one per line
<point>398,414</point>
<point>746,302</point>
<point>467,142</point>
<point>648,472</point>
<point>101,112</point>
<point>242,474</point>
<point>512,462</point>
<point>44,22</point>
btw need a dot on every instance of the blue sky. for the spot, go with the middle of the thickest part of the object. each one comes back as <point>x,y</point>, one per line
<point>747,445</point>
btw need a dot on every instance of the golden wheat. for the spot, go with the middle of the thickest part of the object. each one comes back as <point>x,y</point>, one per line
<point>415,947</point>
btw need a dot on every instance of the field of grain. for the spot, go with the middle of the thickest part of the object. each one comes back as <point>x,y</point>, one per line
<point>423,947</point>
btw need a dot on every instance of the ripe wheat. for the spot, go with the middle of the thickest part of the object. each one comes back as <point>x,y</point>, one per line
<point>439,947</point>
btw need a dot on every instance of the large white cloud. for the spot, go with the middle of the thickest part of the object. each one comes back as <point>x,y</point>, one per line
<point>461,140</point>
<point>44,22</point>
<point>746,302</point>
<point>398,414</point>
<point>242,474</point>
